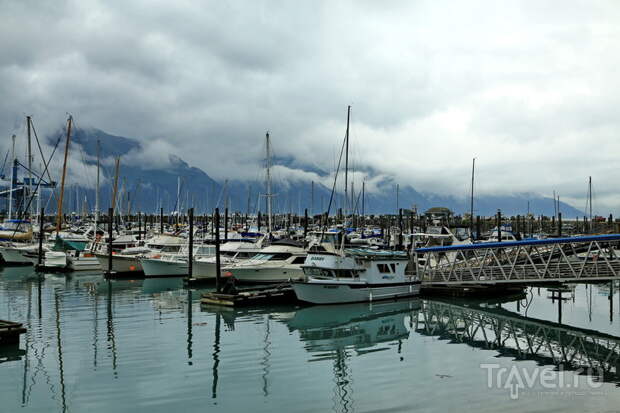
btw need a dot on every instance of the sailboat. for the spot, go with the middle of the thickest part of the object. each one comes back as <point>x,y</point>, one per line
<point>354,275</point>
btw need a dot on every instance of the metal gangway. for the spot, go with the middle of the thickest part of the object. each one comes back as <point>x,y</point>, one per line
<point>593,258</point>
<point>519,337</point>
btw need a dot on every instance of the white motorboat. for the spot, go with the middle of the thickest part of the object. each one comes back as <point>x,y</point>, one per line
<point>174,264</point>
<point>127,260</point>
<point>281,261</point>
<point>355,275</point>
<point>230,253</point>
<point>18,253</point>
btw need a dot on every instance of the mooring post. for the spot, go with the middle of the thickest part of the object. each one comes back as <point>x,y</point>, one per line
<point>477,228</point>
<point>225,224</point>
<point>139,228</point>
<point>190,257</point>
<point>41,223</point>
<point>110,227</point>
<point>499,226</point>
<point>611,301</point>
<point>217,250</point>
<point>258,222</point>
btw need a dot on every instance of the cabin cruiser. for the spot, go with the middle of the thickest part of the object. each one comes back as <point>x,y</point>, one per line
<point>231,252</point>
<point>355,275</point>
<point>506,235</point>
<point>174,264</point>
<point>127,259</point>
<point>278,262</point>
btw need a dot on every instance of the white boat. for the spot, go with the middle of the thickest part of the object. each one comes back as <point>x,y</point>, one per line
<point>281,261</point>
<point>174,264</point>
<point>232,252</point>
<point>127,260</point>
<point>18,253</point>
<point>82,261</point>
<point>356,275</point>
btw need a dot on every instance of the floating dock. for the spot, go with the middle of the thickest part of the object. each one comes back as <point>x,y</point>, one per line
<point>271,294</point>
<point>10,332</point>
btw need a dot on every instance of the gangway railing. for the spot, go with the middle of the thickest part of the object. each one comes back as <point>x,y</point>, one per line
<point>574,259</point>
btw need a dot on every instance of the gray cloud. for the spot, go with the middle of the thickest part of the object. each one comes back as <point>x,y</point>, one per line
<point>529,88</point>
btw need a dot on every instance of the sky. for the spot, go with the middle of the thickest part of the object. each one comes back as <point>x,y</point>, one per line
<point>528,88</point>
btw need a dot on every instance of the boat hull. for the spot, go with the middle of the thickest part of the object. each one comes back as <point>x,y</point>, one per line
<point>336,293</point>
<point>82,263</point>
<point>15,256</point>
<point>265,275</point>
<point>121,264</point>
<point>154,267</point>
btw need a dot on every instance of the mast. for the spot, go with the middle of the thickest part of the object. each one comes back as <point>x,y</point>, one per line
<point>13,162</point>
<point>178,206</point>
<point>268,162</point>
<point>397,193</point>
<point>97,190</point>
<point>115,188</point>
<point>64,174</point>
<point>363,211</point>
<point>471,206</point>
<point>590,199</point>
<point>312,199</point>
<point>346,165</point>
<point>29,122</point>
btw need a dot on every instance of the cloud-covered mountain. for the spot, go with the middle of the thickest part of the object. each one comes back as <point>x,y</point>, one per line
<point>150,179</point>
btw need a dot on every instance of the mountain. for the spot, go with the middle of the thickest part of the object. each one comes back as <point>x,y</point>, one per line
<point>146,186</point>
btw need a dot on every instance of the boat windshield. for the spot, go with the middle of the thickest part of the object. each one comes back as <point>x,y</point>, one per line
<point>262,257</point>
<point>278,256</point>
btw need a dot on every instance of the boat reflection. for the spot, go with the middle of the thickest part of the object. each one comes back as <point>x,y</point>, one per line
<point>158,285</point>
<point>353,326</point>
<point>23,273</point>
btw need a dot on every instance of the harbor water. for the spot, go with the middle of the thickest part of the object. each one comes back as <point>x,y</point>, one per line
<point>95,345</point>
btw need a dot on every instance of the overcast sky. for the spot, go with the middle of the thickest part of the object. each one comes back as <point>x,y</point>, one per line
<point>529,88</point>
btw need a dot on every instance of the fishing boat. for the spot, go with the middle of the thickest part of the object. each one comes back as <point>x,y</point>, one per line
<point>356,275</point>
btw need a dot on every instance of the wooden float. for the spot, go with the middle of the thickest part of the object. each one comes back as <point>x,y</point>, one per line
<point>271,294</point>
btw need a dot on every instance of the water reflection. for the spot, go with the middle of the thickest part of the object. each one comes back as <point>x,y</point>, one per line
<point>158,285</point>
<point>340,332</point>
<point>352,326</point>
<point>489,326</point>
<point>64,330</point>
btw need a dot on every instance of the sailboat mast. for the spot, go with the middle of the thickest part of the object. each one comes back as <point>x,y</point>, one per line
<point>590,200</point>
<point>28,122</point>
<point>471,205</point>
<point>64,174</point>
<point>346,164</point>
<point>268,165</point>
<point>115,188</point>
<point>363,196</point>
<point>13,161</point>
<point>97,188</point>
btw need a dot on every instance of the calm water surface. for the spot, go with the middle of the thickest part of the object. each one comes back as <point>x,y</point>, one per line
<point>148,345</point>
